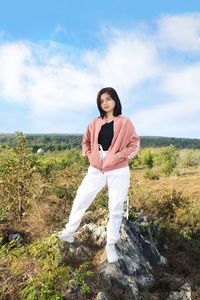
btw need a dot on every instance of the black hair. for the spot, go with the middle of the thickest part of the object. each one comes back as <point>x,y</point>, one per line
<point>113,94</point>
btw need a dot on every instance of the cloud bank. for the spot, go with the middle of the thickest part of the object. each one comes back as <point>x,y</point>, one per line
<point>156,72</point>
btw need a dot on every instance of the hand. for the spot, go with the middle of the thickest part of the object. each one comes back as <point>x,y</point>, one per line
<point>119,155</point>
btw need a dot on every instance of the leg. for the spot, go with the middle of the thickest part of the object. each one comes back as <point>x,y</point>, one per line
<point>118,183</point>
<point>92,183</point>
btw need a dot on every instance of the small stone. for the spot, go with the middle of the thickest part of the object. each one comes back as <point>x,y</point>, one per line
<point>14,236</point>
<point>184,293</point>
<point>101,296</point>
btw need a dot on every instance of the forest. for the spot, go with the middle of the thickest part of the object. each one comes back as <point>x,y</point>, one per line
<point>59,142</point>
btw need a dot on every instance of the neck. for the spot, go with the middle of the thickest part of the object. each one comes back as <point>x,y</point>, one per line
<point>109,116</point>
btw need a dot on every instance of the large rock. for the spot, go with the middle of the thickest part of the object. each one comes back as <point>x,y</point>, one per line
<point>137,257</point>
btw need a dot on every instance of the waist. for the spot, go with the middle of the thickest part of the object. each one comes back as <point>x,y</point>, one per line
<point>101,148</point>
<point>102,152</point>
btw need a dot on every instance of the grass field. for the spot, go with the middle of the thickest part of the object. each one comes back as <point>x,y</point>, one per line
<point>172,202</point>
<point>186,181</point>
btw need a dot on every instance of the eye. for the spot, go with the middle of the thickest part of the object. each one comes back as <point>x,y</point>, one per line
<point>104,100</point>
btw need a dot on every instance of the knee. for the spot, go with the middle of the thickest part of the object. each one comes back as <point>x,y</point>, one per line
<point>117,210</point>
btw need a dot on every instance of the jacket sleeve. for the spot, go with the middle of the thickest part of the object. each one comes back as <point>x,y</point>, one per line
<point>133,146</point>
<point>86,141</point>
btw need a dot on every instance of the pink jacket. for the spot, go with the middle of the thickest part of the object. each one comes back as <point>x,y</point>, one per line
<point>125,140</point>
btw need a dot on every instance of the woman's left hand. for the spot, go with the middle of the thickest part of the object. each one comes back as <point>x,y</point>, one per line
<point>119,155</point>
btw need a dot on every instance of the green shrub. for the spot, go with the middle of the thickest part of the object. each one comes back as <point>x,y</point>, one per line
<point>151,175</point>
<point>17,181</point>
<point>101,200</point>
<point>167,158</point>
<point>147,158</point>
<point>191,158</point>
<point>60,192</point>
<point>41,265</point>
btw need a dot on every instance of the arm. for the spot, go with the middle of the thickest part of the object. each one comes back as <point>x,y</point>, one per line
<point>86,142</point>
<point>133,146</point>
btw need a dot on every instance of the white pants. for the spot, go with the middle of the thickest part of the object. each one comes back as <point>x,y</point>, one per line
<point>118,182</point>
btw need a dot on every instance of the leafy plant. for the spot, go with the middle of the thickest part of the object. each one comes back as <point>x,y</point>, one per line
<point>17,184</point>
<point>147,158</point>
<point>151,175</point>
<point>41,264</point>
<point>191,158</point>
<point>167,158</point>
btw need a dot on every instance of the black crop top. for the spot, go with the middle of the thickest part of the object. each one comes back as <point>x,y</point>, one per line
<point>106,135</point>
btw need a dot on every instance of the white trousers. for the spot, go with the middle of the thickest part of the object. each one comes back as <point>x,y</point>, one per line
<point>118,182</point>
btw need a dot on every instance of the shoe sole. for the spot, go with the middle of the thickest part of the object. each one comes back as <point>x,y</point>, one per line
<point>111,262</point>
<point>66,238</point>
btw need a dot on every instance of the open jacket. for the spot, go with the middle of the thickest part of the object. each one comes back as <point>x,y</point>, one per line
<point>125,140</point>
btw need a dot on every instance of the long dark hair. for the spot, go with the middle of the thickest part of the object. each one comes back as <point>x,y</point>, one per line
<point>113,94</point>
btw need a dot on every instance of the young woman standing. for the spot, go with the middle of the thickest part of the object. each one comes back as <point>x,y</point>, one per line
<point>109,142</point>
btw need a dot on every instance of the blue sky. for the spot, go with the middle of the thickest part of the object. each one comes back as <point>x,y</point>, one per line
<point>56,55</point>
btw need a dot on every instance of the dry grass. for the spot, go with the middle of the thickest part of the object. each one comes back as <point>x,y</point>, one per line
<point>47,215</point>
<point>37,221</point>
<point>187,182</point>
<point>183,260</point>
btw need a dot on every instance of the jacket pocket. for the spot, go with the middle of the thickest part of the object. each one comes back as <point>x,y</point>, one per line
<point>92,159</point>
<point>119,159</point>
<point>114,160</point>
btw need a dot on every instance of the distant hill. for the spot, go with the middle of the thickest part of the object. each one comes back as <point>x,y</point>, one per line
<point>160,141</point>
<point>59,142</point>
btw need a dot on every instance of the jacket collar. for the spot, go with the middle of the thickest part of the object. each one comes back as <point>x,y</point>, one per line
<point>103,121</point>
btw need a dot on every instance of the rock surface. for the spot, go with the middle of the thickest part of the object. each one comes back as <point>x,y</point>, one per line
<point>137,257</point>
<point>184,293</point>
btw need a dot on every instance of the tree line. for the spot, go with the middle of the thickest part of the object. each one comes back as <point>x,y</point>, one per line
<point>59,142</point>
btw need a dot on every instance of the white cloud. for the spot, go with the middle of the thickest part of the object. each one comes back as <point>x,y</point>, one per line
<point>180,32</point>
<point>49,82</point>
<point>183,84</point>
<point>126,61</point>
<point>48,87</point>
<point>179,116</point>
<point>170,119</point>
<point>13,61</point>
<point>55,80</point>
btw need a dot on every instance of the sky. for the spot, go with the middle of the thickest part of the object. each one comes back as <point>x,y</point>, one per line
<point>55,55</point>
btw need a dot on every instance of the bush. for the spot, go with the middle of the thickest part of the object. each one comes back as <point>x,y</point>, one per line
<point>101,200</point>
<point>191,158</point>
<point>17,183</point>
<point>151,175</point>
<point>147,158</point>
<point>172,211</point>
<point>167,159</point>
<point>44,273</point>
<point>50,163</point>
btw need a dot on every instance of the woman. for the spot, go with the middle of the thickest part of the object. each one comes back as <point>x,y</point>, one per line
<point>109,142</point>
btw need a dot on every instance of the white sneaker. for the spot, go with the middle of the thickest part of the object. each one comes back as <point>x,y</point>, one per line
<point>66,236</point>
<point>111,253</point>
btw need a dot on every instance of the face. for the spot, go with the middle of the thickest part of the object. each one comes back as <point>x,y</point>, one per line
<point>107,103</point>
